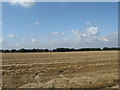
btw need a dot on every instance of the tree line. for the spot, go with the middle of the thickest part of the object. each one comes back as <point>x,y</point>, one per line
<point>58,50</point>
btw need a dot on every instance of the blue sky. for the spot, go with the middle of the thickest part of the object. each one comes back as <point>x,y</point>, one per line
<point>51,25</point>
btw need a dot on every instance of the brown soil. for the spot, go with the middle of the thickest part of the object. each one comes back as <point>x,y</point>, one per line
<point>90,69</point>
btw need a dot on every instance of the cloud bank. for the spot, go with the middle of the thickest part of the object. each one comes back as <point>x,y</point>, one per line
<point>90,38</point>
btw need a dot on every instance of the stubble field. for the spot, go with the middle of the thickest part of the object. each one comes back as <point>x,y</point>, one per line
<point>89,69</point>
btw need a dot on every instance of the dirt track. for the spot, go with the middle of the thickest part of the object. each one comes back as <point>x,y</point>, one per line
<point>90,69</point>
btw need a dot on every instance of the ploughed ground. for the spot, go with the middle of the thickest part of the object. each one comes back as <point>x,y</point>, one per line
<point>89,69</point>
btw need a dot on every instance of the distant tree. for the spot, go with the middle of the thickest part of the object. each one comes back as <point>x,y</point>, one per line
<point>13,50</point>
<point>46,50</point>
<point>59,49</point>
<point>105,48</point>
<point>1,50</point>
<point>6,51</point>
<point>22,50</point>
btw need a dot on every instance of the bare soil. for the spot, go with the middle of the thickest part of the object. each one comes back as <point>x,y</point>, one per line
<point>89,69</point>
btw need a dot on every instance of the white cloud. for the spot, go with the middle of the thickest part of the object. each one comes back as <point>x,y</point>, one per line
<point>109,40</point>
<point>3,44</point>
<point>105,40</point>
<point>11,35</point>
<point>58,33</point>
<point>35,41</point>
<point>77,33</point>
<point>88,41</point>
<point>23,3</point>
<point>93,31</point>
<point>84,35</point>
<point>36,23</point>
<point>113,38</point>
<point>89,38</point>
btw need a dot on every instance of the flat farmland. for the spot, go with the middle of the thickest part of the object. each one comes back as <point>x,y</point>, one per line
<point>89,69</point>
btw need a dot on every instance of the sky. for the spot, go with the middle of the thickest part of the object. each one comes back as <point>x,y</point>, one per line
<point>59,24</point>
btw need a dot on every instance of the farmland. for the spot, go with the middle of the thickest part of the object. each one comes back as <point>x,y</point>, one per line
<point>86,69</point>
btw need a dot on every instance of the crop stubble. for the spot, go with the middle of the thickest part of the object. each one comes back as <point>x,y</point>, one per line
<point>89,69</point>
